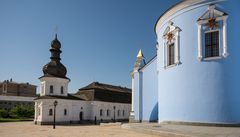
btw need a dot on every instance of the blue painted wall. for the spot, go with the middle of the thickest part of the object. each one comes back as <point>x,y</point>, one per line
<point>149,92</point>
<point>201,91</point>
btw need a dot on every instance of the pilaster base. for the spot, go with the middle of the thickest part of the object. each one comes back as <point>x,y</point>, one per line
<point>132,117</point>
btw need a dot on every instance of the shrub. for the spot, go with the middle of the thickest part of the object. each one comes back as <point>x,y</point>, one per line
<point>22,111</point>
<point>3,113</point>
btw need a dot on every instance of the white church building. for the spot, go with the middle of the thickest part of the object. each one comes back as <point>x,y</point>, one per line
<point>94,103</point>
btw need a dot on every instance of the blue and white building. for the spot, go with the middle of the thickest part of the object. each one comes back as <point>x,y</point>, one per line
<point>195,75</point>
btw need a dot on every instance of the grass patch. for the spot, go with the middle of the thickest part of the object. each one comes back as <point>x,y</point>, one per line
<point>15,119</point>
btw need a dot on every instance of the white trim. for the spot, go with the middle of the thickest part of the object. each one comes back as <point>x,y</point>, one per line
<point>176,41</point>
<point>16,98</point>
<point>222,45</point>
<point>225,51</point>
<point>212,58</point>
<point>165,54</point>
<point>170,66</point>
<point>176,49</point>
<point>214,30</point>
<point>200,42</point>
<point>182,7</point>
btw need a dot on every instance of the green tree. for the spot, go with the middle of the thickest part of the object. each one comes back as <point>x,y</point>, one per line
<point>22,111</point>
<point>3,113</point>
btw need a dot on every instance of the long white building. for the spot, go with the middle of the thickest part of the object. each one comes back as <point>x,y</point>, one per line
<point>96,102</point>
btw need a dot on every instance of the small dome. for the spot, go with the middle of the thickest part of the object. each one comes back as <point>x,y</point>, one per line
<point>55,68</point>
<point>56,43</point>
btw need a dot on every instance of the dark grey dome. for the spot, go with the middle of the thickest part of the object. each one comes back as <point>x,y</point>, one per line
<point>55,68</point>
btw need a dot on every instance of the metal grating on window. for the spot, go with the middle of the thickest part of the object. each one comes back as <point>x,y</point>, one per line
<point>212,44</point>
<point>171,54</point>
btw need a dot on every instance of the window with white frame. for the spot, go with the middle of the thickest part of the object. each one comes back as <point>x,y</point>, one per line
<point>118,113</point>
<point>50,113</point>
<point>171,45</point>
<point>61,89</point>
<point>65,112</point>
<point>51,89</point>
<point>101,112</point>
<point>108,112</point>
<point>212,34</point>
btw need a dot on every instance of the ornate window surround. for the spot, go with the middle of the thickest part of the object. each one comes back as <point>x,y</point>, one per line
<point>171,36</point>
<point>216,16</point>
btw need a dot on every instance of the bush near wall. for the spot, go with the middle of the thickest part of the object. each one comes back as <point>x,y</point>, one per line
<point>22,111</point>
<point>3,113</point>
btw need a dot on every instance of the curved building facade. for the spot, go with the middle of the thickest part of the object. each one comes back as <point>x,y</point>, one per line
<point>197,63</point>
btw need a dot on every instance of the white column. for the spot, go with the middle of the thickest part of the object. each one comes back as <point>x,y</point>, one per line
<point>225,52</point>
<point>177,61</point>
<point>165,54</point>
<point>35,112</point>
<point>132,107</point>
<point>200,42</point>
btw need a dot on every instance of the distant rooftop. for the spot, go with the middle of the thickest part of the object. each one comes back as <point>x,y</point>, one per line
<point>14,82</point>
<point>97,85</point>
<point>104,92</point>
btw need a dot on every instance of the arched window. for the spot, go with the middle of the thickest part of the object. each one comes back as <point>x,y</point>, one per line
<point>65,112</point>
<point>108,112</point>
<point>123,113</point>
<point>101,112</point>
<point>118,113</point>
<point>51,88</point>
<point>50,112</point>
<point>61,89</point>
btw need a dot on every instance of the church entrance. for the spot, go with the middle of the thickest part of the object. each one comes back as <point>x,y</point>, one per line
<point>81,116</point>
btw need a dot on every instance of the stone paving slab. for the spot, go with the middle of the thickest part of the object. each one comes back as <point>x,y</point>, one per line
<point>28,129</point>
<point>174,130</point>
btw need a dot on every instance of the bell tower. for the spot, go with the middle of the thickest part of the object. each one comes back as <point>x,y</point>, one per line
<point>54,81</point>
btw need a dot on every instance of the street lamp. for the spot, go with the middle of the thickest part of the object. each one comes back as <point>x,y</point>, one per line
<point>114,113</point>
<point>54,115</point>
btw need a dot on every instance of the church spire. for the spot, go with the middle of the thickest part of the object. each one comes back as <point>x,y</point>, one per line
<point>55,68</point>
<point>55,50</point>
<point>140,62</point>
<point>140,54</point>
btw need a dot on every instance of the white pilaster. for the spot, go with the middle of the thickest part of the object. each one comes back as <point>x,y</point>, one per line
<point>199,42</point>
<point>165,54</point>
<point>225,52</point>
<point>177,57</point>
<point>132,108</point>
<point>35,112</point>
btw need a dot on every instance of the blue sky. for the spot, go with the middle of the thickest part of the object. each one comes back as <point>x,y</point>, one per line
<point>100,38</point>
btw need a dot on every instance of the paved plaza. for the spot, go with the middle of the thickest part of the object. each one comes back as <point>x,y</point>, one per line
<point>176,130</point>
<point>28,129</point>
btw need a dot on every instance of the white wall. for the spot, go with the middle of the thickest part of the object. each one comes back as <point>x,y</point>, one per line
<point>90,109</point>
<point>96,106</point>
<point>57,83</point>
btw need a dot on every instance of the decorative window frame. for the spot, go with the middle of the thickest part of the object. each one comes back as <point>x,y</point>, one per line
<point>217,16</point>
<point>171,36</point>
